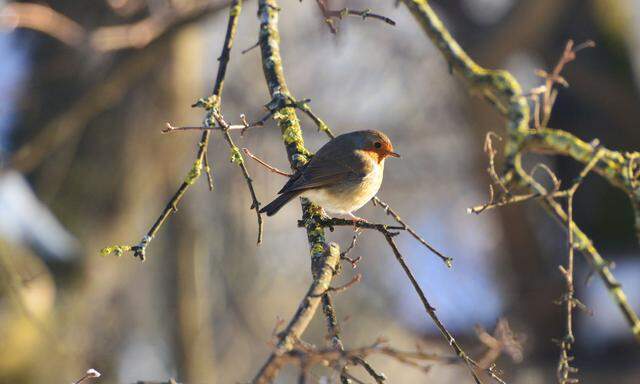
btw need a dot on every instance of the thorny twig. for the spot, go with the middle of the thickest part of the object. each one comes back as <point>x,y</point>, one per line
<point>90,374</point>
<point>236,157</point>
<point>330,15</point>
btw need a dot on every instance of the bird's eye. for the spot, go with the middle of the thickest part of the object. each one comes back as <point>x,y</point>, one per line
<point>377,144</point>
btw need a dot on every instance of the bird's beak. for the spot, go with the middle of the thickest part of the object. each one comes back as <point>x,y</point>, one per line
<point>392,154</point>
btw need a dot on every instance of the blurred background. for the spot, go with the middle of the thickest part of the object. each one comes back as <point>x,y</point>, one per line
<point>84,165</point>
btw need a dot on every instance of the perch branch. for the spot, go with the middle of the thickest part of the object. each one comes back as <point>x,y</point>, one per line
<point>236,157</point>
<point>265,164</point>
<point>297,155</point>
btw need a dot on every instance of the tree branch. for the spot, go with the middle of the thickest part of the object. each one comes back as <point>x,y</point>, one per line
<point>504,92</point>
<point>323,267</point>
<point>211,104</point>
<point>297,154</point>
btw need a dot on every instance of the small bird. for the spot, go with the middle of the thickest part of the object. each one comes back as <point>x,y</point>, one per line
<point>342,176</point>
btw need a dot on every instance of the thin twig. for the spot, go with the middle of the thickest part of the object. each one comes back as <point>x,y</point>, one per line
<point>391,212</point>
<point>565,369</point>
<point>350,247</point>
<point>265,164</point>
<point>303,105</point>
<point>354,280</point>
<point>236,157</point>
<point>549,95</point>
<point>329,15</point>
<point>139,250</point>
<point>470,363</point>
<point>231,127</point>
<point>208,171</point>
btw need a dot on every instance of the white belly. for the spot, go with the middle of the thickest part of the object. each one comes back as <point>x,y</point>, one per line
<point>344,199</point>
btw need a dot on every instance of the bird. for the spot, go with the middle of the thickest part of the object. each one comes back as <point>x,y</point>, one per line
<point>342,176</point>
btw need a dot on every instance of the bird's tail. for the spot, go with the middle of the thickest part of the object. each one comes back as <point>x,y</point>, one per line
<point>274,206</point>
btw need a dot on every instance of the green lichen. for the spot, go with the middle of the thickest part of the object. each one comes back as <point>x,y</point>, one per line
<point>236,156</point>
<point>292,135</point>
<point>117,250</point>
<point>195,172</point>
<point>207,103</point>
<point>235,10</point>
<point>317,249</point>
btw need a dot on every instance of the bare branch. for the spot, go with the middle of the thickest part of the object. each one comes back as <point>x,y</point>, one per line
<point>323,272</point>
<point>265,164</point>
<point>330,15</point>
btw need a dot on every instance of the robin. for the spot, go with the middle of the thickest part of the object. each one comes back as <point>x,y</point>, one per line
<point>342,176</point>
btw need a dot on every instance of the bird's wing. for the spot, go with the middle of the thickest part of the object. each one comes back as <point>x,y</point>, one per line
<point>327,168</point>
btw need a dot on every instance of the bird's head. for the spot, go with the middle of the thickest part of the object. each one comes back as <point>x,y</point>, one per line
<point>376,144</point>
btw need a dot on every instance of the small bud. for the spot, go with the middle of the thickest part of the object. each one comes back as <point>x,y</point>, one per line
<point>92,373</point>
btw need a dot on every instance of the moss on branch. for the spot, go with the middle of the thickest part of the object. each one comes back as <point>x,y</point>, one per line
<point>503,91</point>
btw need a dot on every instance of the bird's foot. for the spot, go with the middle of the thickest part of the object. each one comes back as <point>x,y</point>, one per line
<point>356,218</point>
